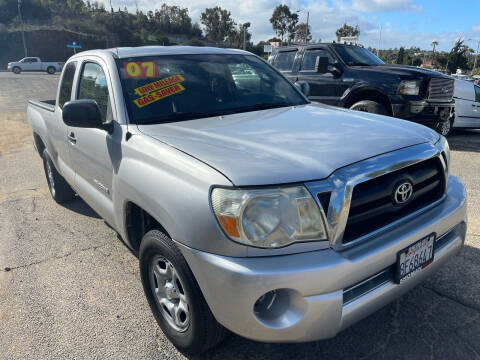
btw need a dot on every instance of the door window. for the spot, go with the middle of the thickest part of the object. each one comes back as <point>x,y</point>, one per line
<point>93,85</point>
<point>66,84</point>
<point>477,93</point>
<point>284,60</point>
<point>310,58</point>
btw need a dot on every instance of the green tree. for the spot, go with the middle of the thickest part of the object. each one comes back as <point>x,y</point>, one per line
<point>302,33</point>
<point>458,56</point>
<point>283,21</point>
<point>235,39</point>
<point>347,30</point>
<point>401,56</point>
<point>218,23</point>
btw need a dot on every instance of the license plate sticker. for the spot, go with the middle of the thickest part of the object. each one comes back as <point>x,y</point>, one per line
<point>414,258</point>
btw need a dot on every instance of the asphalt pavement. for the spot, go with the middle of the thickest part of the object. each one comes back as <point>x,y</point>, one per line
<point>69,288</point>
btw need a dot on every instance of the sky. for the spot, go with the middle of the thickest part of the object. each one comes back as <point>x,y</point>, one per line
<point>402,22</point>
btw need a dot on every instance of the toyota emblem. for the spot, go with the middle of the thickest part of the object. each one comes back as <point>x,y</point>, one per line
<point>403,192</point>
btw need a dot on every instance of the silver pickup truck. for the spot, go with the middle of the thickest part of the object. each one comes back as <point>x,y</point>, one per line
<point>251,209</point>
<point>34,64</point>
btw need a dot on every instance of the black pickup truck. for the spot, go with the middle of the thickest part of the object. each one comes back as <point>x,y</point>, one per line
<point>350,76</point>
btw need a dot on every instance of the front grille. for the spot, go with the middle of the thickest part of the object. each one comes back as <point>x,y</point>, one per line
<point>440,89</point>
<point>372,206</point>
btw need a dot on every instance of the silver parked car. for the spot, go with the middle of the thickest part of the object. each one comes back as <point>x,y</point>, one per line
<point>251,208</point>
<point>467,105</point>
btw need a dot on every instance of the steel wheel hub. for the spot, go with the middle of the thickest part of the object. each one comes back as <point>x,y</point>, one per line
<point>169,293</point>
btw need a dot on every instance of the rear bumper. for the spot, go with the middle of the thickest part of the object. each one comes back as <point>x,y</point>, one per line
<point>323,292</point>
<point>421,111</point>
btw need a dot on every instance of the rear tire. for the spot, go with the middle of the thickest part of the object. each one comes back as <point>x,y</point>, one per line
<point>370,107</point>
<point>193,330</point>
<point>16,70</point>
<point>51,70</point>
<point>59,189</point>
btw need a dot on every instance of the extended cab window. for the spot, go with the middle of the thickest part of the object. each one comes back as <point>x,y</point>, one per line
<point>93,85</point>
<point>66,84</point>
<point>310,58</point>
<point>284,60</point>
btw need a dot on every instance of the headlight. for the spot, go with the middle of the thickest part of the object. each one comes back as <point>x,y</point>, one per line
<point>410,87</point>
<point>268,218</point>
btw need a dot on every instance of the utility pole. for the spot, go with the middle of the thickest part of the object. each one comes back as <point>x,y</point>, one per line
<point>245,27</point>
<point>476,56</point>
<point>379,41</point>
<point>23,29</point>
<point>306,30</point>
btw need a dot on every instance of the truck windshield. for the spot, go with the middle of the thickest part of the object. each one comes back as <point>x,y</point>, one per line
<point>357,56</point>
<point>173,88</point>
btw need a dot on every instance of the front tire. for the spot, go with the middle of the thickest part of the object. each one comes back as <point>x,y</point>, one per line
<point>174,296</point>
<point>445,127</point>
<point>370,107</point>
<point>51,70</point>
<point>59,189</point>
<point>16,70</point>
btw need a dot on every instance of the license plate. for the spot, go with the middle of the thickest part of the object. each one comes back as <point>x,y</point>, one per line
<point>414,258</point>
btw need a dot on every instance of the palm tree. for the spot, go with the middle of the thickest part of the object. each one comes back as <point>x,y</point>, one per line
<point>434,45</point>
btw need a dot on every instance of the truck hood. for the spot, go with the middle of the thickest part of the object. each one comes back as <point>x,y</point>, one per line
<point>285,145</point>
<point>402,70</point>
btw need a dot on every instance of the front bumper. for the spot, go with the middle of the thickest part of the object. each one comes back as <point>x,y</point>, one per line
<point>323,292</point>
<point>421,111</point>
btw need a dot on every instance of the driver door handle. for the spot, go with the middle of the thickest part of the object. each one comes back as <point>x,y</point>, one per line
<point>71,138</point>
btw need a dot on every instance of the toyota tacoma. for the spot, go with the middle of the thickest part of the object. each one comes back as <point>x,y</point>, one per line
<point>250,208</point>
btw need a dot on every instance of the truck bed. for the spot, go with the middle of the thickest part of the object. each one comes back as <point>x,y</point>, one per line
<point>48,105</point>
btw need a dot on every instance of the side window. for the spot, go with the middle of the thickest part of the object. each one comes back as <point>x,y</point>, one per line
<point>284,60</point>
<point>66,84</point>
<point>32,60</point>
<point>245,77</point>
<point>477,93</point>
<point>93,85</point>
<point>310,58</point>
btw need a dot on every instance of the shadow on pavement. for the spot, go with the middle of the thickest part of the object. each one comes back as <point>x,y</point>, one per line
<point>79,206</point>
<point>465,140</point>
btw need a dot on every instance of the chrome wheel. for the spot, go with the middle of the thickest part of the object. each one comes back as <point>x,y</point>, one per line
<point>51,181</point>
<point>169,293</point>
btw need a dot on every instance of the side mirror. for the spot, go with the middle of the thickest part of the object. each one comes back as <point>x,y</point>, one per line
<point>83,113</point>
<point>303,87</point>
<point>321,64</point>
<point>336,69</point>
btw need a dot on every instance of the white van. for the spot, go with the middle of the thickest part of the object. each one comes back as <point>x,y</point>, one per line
<point>467,104</point>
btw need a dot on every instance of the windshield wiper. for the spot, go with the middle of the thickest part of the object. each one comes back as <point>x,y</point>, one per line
<point>179,116</point>
<point>359,64</point>
<point>262,106</point>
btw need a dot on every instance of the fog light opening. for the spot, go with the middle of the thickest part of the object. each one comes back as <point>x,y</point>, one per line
<point>279,308</point>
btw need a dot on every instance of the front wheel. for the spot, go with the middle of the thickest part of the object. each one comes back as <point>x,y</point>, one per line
<point>175,297</point>
<point>445,127</point>
<point>16,70</point>
<point>370,107</point>
<point>51,70</point>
